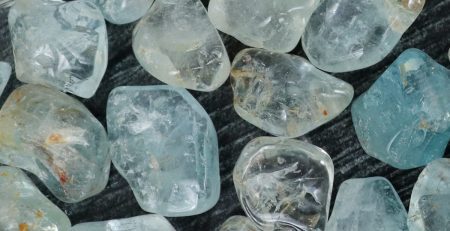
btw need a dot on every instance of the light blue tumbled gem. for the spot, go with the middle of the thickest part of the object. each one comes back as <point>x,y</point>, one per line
<point>5,73</point>
<point>149,222</point>
<point>123,11</point>
<point>404,118</point>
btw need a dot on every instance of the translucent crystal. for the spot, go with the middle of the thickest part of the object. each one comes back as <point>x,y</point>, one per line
<point>430,199</point>
<point>284,184</point>
<point>346,35</point>
<point>123,11</point>
<point>404,118</point>
<point>284,94</point>
<point>273,25</point>
<point>56,138</point>
<point>59,44</point>
<point>24,207</point>
<point>369,204</point>
<point>5,73</point>
<point>165,145</point>
<point>177,44</point>
<point>238,223</point>
<point>151,222</point>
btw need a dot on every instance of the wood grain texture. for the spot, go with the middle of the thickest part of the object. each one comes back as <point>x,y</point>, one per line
<point>430,32</point>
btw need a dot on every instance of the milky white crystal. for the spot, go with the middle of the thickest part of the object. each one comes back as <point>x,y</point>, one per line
<point>150,222</point>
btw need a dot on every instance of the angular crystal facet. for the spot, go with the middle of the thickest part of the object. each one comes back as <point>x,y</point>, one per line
<point>369,204</point>
<point>24,207</point>
<point>178,45</point>
<point>238,223</point>
<point>404,118</point>
<point>284,184</point>
<point>56,138</point>
<point>123,11</point>
<point>59,44</point>
<point>151,222</point>
<point>284,94</point>
<point>5,73</point>
<point>346,35</point>
<point>165,145</point>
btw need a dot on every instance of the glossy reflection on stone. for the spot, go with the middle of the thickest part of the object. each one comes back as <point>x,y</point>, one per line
<point>24,208</point>
<point>404,118</point>
<point>346,35</point>
<point>176,43</point>
<point>284,94</point>
<point>5,73</point>
<point>284,184</point>
<point>56,138</point>
<point>165,145</point>
<point>273,25</point>
<point>59,44</point>
<point>123,11</point>
<point>238,223</point>
<point>369,204</point>
<point>150,222</point>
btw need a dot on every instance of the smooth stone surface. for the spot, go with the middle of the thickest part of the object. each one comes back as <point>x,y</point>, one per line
<point>123,11</point>
<point>404,118</point>
<point>24,207</point>
<point>434,183</point>
<point>59,44</point>
<point>238,223</point>
<point>347,35</point>
<point>5,73</point>
<point>151,222</point>
<point>165,145</point>
<point>284,94</point>
<point>56,138</point>
<point>272,25</point>
<point>176,43</point>
<point>284,184</point>
<point>369,204</point>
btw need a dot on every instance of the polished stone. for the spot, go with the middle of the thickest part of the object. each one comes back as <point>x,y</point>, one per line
<point>238,223</point>
<point>404,118</point>
<point>59,44</point>
<point>150,222</point>
<point>5,73</point>
<point>123,11</point>
<point>284,94</point>
<point>369,204</point>
<point>176,43</point>
<point>165,145</point>
<point>272,25</point>
<point>24,207</point>
<point>429,204</point>
<point>55,137</point>
<point>347,35</point>
<point>284,184</point>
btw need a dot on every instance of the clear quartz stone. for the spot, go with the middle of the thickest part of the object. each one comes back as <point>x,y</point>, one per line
<point>5,73</point>
<point>123,11</point>
<point>150,222</point>
<point>238,223</point>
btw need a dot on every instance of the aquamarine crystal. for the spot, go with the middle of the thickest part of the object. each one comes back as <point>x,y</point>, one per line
<point>429,206</point>
<point>369,204</point>
<point>55,137</point>
<point>238,223</point>
<point>59,44</point>
<point>404,118</point>
<point>151,222</point>
<point>284,94</point>
<point>165,145</point>
<point>24,207</point>
<point>176,43</point>
<point>284,184</point>
<point>5,73</point>
<point>123,11</point>
<point>346,35</point>
<point>273,25</point>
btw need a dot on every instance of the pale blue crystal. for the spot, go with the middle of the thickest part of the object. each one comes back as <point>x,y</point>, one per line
<point>24,208</point>
<point>165,145</point>
<point>150,222</point>
<point>435,212</point>
<point>404,118</point>
<point>123,11</point>
<point>5,73</point>
<point>369,204</point>
<point>238,223</point>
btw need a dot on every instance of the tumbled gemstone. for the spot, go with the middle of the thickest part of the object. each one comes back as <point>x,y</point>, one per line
<point>150,222</point>
<point>24,207</point>
<point>284,184</point>
<point>284,94</point>
<point>346,35</point>
<point>404,118</point>
<point>238,223</point>
<point>5,73</point>
<point>55,137</point>
<point>59,44</point>
<point>176,43</point>
<point>123,11</point>
<point>369,204</point>
<point>268,24</point>
<point>165,146</point>
<point>429,206</point>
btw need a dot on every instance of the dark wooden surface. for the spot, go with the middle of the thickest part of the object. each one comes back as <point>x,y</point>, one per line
<point>430,32</point>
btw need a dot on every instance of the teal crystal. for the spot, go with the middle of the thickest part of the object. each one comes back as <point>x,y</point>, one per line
<point>165,145</point>
<point>59,44</point>
<point>238,223</point>
<point>404,118</point>
<point>369,204</point>
<point>150,222</point>
<point>24,208</point>
<point>123,11</point>
<point>429,207</point>
<point>5,73</point>
<point>55,137</point>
